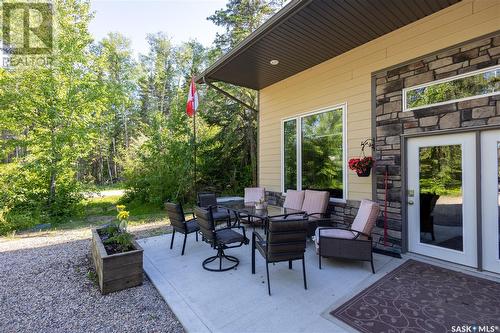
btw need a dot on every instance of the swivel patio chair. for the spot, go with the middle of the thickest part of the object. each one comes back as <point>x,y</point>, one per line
<point>180,224</point>
<point>209,199</point>
<point>219,239</point>
<point>285,241</point>
<point>349,242</point>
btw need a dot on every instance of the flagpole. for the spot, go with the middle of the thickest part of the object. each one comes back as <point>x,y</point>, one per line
<point>194,146</point>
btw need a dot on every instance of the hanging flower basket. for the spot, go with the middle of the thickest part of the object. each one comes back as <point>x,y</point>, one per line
<point>363,173</point>
<point>362,166</point>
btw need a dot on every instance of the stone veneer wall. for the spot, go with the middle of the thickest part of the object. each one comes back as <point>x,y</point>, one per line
<point>391,122</point>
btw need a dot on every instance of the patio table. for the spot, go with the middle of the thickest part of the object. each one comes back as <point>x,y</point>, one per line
<point>249,210</point>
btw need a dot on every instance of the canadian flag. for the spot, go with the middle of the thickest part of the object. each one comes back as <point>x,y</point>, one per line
<point>192,101</point>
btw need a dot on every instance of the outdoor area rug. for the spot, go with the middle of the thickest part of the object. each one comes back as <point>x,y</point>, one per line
<point>419,297</point>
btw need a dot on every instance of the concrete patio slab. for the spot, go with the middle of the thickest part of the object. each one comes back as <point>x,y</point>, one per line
<point>237,301</point>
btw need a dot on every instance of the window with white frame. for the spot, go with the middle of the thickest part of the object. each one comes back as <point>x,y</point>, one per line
<point>480,83</point>
<point>313,152</point>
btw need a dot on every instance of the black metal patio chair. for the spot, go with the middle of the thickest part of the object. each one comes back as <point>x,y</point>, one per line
<point>285,241</point>
<point>220,239</point>
<point>209,199</point>
<point>179,223</point>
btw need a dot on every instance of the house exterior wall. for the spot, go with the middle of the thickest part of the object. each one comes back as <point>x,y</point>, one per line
<point>392,122</point>
<point>348,79</point>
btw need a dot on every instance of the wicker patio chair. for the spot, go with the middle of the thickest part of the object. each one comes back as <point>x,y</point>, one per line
<point>314,205</point>
<point>285,241</point>
<point>349,242</point>
<point>253,195</point>
<point>179,223</point>
<point>294,199</point>
<point>219,239</point>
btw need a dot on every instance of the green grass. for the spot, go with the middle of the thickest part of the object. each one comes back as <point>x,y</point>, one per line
<point>106,206</point>
<point>105,187</point>
<point>101,210</point>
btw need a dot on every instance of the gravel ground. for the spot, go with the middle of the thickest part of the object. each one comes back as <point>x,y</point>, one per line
<point>46,285</point>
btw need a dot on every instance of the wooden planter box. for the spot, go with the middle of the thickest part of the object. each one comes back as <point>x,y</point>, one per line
<point>117,271</point>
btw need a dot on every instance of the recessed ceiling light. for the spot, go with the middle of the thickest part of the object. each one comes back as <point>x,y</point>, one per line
<point>274,62</point>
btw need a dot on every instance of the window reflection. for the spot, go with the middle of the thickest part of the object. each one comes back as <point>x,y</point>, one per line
<point>482,83</point>
<point>441,197</point>
<point>498,187</point>
<point>322,156</point>
<point>290,154</point>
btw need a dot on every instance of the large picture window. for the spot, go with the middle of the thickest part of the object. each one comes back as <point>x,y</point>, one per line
<point>313,152</point>
<point>484,82</point>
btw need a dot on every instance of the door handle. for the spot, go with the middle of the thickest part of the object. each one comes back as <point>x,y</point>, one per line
<point>410,202</point>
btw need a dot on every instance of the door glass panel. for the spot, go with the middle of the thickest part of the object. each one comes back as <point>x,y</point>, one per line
<point>498,198</point>
<point>441,197</point>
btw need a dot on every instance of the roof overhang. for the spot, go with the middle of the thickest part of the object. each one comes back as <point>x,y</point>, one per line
<point>308,32</point>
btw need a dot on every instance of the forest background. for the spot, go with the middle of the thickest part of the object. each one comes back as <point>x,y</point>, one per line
<point>97,116</point>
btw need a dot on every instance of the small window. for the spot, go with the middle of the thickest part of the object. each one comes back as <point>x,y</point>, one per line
<point>484,82</point>
<point>313,155</point>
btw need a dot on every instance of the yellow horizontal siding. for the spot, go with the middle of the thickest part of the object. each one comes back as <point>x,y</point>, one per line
<point>347,79</point>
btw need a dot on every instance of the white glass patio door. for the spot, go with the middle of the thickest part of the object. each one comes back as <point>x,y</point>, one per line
<point>490,199</point>
<point>441,197</point>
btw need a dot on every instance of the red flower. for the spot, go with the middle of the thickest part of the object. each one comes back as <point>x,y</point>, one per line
<point>360,165</point>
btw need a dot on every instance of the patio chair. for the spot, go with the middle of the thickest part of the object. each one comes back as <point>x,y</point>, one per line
<point>253,195</point>
<point>349,242</point>
<point>209,199</point>
<point>219,239</point>
<point>285,241</point>
<point>315,205</point>
<point>427,204</point>
<point>180,224</point>
<point>294,199</point>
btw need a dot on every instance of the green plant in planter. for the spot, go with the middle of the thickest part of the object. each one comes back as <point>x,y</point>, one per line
<point>122,242</point>
<point>115,237</point>
<point>122,216</point>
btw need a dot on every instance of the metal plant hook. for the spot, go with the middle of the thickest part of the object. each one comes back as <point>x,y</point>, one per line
<point>367,143</point>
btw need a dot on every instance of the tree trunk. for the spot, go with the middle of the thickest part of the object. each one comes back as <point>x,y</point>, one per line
<point>252,143</point>
<point>52,186</point>
<point>114,156</point>
<point>125,127</point>
<point>110,173</point>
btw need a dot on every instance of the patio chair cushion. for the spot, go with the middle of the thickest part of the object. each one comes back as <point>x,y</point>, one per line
<point>315,202</point>
<point>220,214</point>
<point>333,233</point>
<point>294,199</point>
<point>192,226</point>
<point>228,236</point>
<point>254,194</point>
<point>366,217</point>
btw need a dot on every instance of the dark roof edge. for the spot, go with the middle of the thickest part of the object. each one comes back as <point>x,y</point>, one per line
<point>256,35</point>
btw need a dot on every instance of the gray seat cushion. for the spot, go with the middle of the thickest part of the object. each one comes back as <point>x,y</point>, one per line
<point>228,236</point>
<point>192,226</point>
<point>220,214</point>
